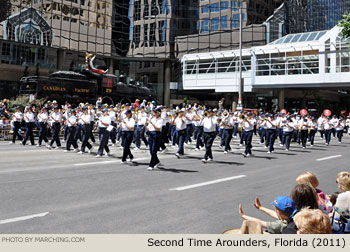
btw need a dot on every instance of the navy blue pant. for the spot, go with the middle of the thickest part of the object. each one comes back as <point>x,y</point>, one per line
<point>56,134</point>
<point>154,138</point>
<point>189,128</point>
<point>71,138</point>
<point>227,136</point>
<point>86,130</point>
<point>339,134</point>
<point>303,137</point>
<point>17,126</point>
<point>92,137</point>
<point>181,134</point>
<point>163,137</point>
<point>103,141</point>
<point>127,139</point>
<point>270,138</point>
<point>312,136</point>
<point>199,141</point>
<point>328,134</point>
<point>43,133</point>
<point>173,134</point>
<point>235,127</point>
<point>287,137</point>
<point>248,137</point>
<point>140,135</point>
<point>209,138</point>
<point>77,135</point>
<point>29,133</point>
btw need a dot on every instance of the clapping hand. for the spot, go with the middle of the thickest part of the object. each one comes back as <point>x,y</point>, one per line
<point>257,203</point>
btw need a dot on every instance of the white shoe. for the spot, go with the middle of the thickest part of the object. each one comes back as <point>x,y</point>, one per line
<point>121,147</point>
<point>58,148</point>
<point>286,150</point>
<point>221,147</point>
<point>303,147</point>
<point>123,162</point>
<point>90,150</point>
<point>136,149</point>
<point>244,155</point>
<point>63,141</point>
<point>249,155</point>
<point>76,150</point>
<point>38,145</point>
<point>209,159</point>
<point>240,145</point>
<point>98,156</point>
<point>177,155</point>
<point>269,152</point>
<point>149,168</point>
<point>265,147</point>
<point>117,142</point>
<point>163,151</point>
<point>130,160</point>
<point>196,149</point>
<point>204,160</point>
<point>173,146</point>
<point>80,152</point>
<point>339,142</point>
<point>202,148</point>
<point>185,144</point>
<point>281,144</point>
<point>225,152</point>
<point>66,150</point>
<point>113,145</point>
<point>107,154</point>
<point>49,147</point>
<point>311,145</point>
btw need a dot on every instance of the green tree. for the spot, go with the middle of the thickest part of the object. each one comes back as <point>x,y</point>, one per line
<point>345,24</point>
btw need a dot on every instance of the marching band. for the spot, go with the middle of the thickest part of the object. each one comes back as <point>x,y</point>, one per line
<point>164,126</point>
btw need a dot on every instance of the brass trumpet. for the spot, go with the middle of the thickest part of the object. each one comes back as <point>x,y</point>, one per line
<point>242,117</point>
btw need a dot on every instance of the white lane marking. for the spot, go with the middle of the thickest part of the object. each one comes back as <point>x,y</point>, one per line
<point>107,162</point>
<point>206,183</point>
<point>326,158</point>
<point>23,218</point>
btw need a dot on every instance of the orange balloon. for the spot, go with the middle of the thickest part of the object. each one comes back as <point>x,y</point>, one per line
<point>283,111</point>
<point>327,112</point>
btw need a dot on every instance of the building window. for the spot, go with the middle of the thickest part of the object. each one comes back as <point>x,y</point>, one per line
<point>162,28</point>
<point>145,35</point>
<point>137,10</point>
<point>224,5</point>
<point>215,24</point>
<point>205,26</point>
<point>235,5</point>
<point>154,8</point>
<point>146,9</point>
<point>205,9</point>
<point>152,35</point>
<point>223,20</point>
<point>215,7</point>
<point>137,29</point>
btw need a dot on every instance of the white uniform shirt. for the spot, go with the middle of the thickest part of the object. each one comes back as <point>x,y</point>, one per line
<point>111,115</point>
<point>56,116</point>
<point>269,124</point>
<point>339,126</point>
<point>130,122</point>
<point>158,122</point>
<point>104,119</point>
<point>71,120</point>
<point>92,113</point>
<point>85,118</point>
<point>229,123</point>
<point>327,125</point>
<point>320,123</point>
<point>209,124</point>
<point>18,116</point>
<point>178,123</point>
<point>248,127</point>
<point>188,118</point>
<point>288,127</point>
<point>29,117</point>
<point>302,124</point>
<point>43,117</point>
<point>142,118</point>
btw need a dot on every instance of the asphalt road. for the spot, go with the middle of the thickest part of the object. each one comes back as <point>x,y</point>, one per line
<point>48,191</point>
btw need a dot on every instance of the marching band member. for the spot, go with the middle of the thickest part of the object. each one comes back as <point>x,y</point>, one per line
<point>71,128</point>
<point>127,126</point>
<point>56,126</point>
<point>312,128</point>
<point>43,118</point>
<point>92,113</point>
<point>328,126</point>
<point>104,126</point>
<point>188,120</point>
<point>348,124</point>
<point>154,127</point>
<point>85,119</point>
<point>248,134</point>
<point>29,121</point>
<point>180,132</point>
<point>198,124</point>
<point>164,130</point>
<point>79,125</point>
<point>334,122</point>
<point>288,128</point>
<point>320,122</point>
<point>227,123</point>
<point>209,127</point>
<point>271,124</point>
<point>339,129</point>
<point>140,123</point>
<point>303,129</point>
<point>17,120</point>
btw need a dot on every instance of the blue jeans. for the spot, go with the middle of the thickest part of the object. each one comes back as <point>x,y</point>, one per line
<point>140,135</point>
<point>287,137</point>
<point>270,138</point>
<point>227,136</point>
<point>248,137</point>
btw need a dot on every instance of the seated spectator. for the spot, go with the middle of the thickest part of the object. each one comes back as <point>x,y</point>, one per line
<point>343,200</point>
<point>323,203</point>
<point>333,198</point>
<point>284,209</point>
<point>312,221</point>
<point>303,195</point>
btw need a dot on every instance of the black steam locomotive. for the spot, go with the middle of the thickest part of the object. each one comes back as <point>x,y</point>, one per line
<point>83,87</point>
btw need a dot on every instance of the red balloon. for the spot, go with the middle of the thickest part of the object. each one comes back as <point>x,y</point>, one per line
<point>327,112</point>
<point>283,111</point>
<point>303,112</point>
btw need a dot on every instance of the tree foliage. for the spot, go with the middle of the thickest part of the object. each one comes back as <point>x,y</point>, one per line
<point>345,25</point>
